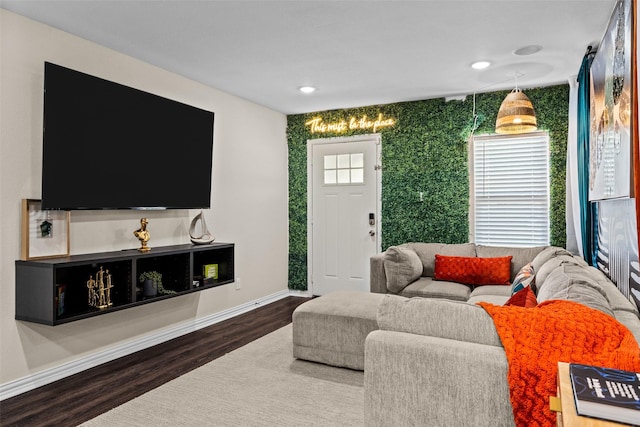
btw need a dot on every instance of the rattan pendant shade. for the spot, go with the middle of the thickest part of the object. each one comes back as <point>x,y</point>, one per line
<point>516,114</point>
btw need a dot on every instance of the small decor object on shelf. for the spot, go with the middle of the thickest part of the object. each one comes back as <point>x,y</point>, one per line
<point>204,237</point>
<point>152,284</point>
<point>45,233</point>
<point>60,298</point>
<point>150,281</point>
<point>210,271</point>
<point>100,290</point>
<point>143,235</point>
<point>606,393</point>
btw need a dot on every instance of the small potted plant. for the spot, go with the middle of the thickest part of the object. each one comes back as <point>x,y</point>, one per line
<point>151,283</point>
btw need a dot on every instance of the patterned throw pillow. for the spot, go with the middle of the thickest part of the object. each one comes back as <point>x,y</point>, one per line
<point>523,298</point>
<point>473,270</point>
<point>525,278</point>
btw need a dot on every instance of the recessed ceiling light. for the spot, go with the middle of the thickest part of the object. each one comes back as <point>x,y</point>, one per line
<point>307,89</point>
<point>480,65</point>
<point>528,50</point>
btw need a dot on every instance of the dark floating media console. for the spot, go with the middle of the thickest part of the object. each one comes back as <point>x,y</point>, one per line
<point>55,291</point>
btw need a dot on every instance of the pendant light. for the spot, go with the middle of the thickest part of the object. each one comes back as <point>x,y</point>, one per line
<point>516,114</point>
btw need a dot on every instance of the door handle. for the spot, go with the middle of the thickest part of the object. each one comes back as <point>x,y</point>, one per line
<point>372,233</point>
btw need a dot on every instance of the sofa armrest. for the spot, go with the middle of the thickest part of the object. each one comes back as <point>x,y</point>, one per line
<point>377,276</point>
<point>421,380</point>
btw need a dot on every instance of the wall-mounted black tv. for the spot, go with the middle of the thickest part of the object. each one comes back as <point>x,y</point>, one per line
<point>110,146</point>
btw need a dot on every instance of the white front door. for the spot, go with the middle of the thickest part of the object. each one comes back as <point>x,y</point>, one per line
<point>345,211</point>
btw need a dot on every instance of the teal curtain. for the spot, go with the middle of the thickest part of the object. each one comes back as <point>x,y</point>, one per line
<point>588,211</point>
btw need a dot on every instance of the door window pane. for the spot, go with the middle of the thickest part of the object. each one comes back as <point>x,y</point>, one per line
<point>343,176</point>
<point>357,160</point>
<point>343,161</point>
<point>344,169</point>
<point>330,177</point>
<point>357,176</point>
<point>330,162</point>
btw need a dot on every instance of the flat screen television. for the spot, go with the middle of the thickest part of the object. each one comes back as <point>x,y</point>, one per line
<point>110,146</point>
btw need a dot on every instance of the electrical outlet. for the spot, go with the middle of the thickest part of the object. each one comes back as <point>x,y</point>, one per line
<point>237,284</point>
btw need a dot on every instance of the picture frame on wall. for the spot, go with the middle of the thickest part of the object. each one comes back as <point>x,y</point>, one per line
<point>45,233</point>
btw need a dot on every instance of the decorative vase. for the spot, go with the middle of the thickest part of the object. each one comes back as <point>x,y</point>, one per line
<point>149,288</point>
<point>204,237</point>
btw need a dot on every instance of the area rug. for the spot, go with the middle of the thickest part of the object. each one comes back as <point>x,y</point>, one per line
<point>260,384</point>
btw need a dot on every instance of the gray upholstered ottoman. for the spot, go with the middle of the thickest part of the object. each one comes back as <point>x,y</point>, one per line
<point>331,329</point>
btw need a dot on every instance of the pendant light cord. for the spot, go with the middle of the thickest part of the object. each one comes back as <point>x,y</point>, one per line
<point>475,116</point>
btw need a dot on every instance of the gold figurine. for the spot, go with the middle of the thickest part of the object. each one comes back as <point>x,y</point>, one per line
<point>102,297</point>
<point>100,290</point>
<point>143,235</point>
<point>91,285</point>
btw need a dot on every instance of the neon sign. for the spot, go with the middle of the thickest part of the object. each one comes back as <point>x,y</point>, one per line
<point>364,123</point>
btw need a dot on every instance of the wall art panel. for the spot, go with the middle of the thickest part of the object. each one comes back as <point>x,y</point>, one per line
<point>610,160</point>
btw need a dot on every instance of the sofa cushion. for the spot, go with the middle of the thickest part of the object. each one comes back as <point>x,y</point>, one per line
<point>493,299</point>
<point>524,279</point>
<point>546,254</point>
<point>500,290</point>
<point>629,320</point>
<point>427,253</point>
<point>565,283</point>
<point>521,256</point>
<point>473,270</point>
<point>617,300</point>
<point>523,298</point>
<point>426,287</point>
<point>495,294</point>
<point>402,266</point>
<point>545,269</point>
<point>438,318</point>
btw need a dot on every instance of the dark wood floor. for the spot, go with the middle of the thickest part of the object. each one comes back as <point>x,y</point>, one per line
<point>76,399</point>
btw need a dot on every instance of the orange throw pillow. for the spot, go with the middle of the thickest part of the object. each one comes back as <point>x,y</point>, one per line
<point>523,298</point>
<point>473,270</point>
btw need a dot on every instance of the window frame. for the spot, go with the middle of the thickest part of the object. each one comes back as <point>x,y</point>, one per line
<point>474,140</point>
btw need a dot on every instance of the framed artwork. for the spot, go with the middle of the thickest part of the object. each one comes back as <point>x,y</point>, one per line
<point>610,160</point>
<point>45,234</point>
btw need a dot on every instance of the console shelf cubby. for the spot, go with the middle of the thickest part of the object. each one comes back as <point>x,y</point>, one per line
<point>54,291</point>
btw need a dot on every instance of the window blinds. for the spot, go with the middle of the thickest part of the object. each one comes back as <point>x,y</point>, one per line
<point>511,190</point>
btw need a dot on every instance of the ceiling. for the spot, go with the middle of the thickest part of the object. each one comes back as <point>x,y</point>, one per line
<point>356,53</point>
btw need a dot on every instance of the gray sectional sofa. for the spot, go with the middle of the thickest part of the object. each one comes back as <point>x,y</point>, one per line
<point>430,355</point>
<point>438,360</point>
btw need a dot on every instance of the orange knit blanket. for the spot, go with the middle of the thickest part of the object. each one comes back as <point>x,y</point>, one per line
<point>536,339</point>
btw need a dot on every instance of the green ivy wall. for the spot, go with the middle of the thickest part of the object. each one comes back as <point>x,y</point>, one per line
<point>425,151</point>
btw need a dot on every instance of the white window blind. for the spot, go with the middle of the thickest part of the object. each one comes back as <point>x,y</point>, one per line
<point>510,197</point>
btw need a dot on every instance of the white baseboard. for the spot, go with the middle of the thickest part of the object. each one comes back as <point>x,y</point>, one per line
<point>38,379</point>
<point>301,294</point>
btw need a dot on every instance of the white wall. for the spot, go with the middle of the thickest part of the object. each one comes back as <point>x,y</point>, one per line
<point>249,199</point>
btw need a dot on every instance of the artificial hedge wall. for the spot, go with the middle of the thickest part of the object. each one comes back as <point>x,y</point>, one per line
<point>425,151</point>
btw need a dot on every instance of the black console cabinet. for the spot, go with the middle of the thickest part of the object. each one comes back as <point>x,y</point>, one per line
<point>54,291</point>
